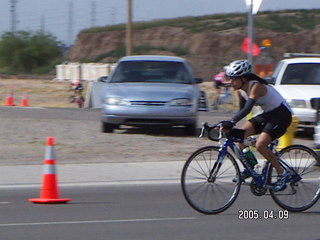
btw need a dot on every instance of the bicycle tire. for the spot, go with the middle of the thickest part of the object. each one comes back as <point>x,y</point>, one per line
<point>203,195</point>
<point>303,194</point>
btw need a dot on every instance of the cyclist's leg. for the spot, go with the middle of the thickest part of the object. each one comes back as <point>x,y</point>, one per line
<point>249,131</point>
<point>262,147</point>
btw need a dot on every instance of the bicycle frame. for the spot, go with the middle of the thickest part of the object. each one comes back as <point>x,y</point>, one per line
<point>260,179</point>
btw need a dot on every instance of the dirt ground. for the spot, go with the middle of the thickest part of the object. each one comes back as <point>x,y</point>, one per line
<point>78,134</point>
<point>77,131</point>
<point>53,93</point>
<point>40,92</point>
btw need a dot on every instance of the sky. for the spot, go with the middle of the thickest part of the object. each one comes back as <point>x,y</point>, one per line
<point>66,18</point>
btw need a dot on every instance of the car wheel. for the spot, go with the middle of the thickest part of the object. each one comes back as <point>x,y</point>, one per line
<point>191,129</point>
<point>107,127</point>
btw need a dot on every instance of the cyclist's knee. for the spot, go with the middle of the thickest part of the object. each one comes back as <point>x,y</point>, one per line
<point>260,146</point>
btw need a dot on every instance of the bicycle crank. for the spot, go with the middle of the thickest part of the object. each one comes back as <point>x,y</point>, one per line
<point>256,189</point>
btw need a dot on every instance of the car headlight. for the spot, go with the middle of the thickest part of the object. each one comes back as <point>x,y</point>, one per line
<point>297,103</point>
<point>116,101</point>
<point>181,102</point>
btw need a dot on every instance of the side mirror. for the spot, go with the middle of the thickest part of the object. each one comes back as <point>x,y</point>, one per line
<point>270,80</point>
<point>199,80</point>
<point>103,79</point>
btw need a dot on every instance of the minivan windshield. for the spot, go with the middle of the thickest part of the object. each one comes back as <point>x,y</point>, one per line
<point>302,74</point>
<point>151,71</point>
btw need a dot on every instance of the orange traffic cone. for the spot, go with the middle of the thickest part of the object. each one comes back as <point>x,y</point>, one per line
<point>24,100</point>
<point>9,97</point>
<point>49,192</point>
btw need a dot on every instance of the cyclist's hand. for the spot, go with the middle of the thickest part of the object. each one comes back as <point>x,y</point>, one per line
<point>227,125</point>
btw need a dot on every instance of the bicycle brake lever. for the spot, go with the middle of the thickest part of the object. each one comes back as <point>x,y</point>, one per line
<point>204,125</point>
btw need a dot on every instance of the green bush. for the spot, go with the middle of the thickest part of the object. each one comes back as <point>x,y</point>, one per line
<point>28,52</point>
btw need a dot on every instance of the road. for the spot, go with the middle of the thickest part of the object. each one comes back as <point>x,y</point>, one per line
<point>140,207</point>
<point>143,212</point>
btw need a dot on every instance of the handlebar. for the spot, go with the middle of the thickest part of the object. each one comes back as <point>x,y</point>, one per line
<point>235,134</point>
<point>207,128</point>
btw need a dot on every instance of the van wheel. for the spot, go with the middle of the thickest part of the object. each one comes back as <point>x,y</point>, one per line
<point>107,127</point>
<point>191,129</point>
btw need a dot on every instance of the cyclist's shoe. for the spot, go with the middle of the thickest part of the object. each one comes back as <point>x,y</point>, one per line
<point>243,176</point>
<point>280,185</point>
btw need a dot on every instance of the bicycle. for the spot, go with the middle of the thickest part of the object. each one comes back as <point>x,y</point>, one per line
<point>77,96</point>
<point>211,182</point>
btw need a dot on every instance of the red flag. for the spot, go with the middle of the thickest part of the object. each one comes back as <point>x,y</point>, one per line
<point>245,47</point>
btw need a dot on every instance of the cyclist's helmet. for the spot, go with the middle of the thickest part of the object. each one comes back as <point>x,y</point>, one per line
<point>238,68</point>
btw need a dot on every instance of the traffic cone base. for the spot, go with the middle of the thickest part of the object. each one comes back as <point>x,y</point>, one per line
<point>24,100</point>
<point>49,191</point>
<point>49,200</point>
<point>9,99</point>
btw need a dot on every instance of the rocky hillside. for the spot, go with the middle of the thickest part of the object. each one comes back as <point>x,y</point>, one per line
<point>208,42</point>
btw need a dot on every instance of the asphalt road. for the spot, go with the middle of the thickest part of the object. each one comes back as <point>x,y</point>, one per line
<point>144,212</point>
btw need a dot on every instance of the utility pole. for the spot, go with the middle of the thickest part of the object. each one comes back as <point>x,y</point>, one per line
<point>253,7</point>
<point>42,24</point>
<point>70,23</point>
<point>250,32</point>
<point>129,29</point>
<point>13,16</point>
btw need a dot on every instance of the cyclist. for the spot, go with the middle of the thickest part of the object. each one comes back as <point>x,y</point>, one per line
<point>272,123</point>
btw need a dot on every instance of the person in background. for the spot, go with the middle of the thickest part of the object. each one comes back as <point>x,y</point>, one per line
<point>220,81</point>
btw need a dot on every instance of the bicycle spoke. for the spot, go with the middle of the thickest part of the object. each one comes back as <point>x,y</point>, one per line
<point>304,193</point>
<point>205,193</point>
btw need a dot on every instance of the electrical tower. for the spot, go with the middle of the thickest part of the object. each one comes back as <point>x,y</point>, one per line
<point>13,16</point>
<point>93,14</point>
<point>113,14</point>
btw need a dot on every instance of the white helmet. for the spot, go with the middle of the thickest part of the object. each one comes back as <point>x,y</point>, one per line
<point>238,68</point>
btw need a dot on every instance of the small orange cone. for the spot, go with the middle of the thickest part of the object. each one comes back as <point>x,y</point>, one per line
<point>24,100</point>
<point>49,192</point>
<point>9,101</point>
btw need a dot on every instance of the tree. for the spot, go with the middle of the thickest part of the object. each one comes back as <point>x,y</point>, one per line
<point>28,52</point>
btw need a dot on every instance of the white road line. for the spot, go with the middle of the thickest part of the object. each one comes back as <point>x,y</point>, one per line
<point>97,221</point>
<point>4,202</point>
<point>110,183</point>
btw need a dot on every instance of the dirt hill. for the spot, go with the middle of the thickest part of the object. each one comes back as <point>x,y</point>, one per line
<point>207,48</point>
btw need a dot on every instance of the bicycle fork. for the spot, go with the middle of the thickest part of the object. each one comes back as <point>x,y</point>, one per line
<point>216,167</point>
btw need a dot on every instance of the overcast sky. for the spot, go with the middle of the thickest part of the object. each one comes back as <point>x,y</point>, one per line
<point>62,17</point>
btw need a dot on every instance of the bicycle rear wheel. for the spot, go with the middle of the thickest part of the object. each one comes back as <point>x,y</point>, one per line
<point>299,194</point>
<point>208,187</point>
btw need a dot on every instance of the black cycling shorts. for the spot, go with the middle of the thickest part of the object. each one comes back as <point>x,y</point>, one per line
<point>275,122</point>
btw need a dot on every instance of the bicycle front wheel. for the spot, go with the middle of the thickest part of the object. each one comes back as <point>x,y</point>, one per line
<point>299,194</point>
<point>207,186</point>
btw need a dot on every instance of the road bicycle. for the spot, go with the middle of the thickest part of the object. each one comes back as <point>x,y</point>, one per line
<point>211,181</point>
<point>77,97</point>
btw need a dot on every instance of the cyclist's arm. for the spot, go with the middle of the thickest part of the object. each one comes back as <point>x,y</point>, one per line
<point>244,111</point>
<point>242,100</point>
<point>257,90</point>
